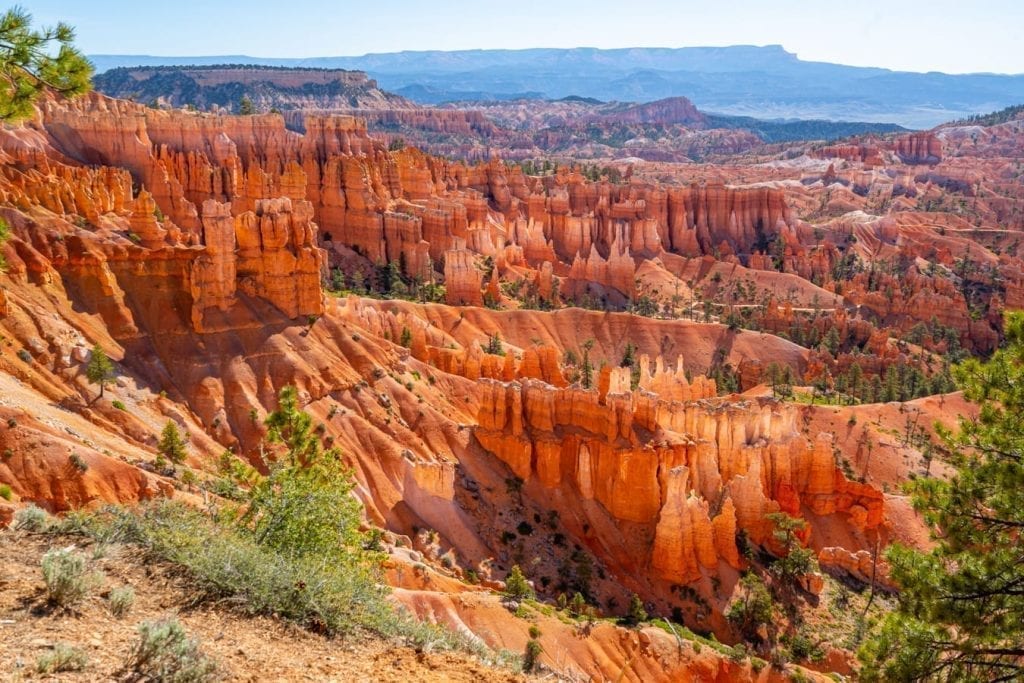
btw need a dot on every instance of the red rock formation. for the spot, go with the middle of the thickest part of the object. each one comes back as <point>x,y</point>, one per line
<point>751,456</point>
<point>462,280</point>
<point>919,148</point>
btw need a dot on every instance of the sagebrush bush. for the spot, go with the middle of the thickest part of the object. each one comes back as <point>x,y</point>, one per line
<point>165,653</point>
<point>67,577</point>
<point>63,658</point>
<point>337,596</point>
<point>121,600</point>
<point>31,518</point>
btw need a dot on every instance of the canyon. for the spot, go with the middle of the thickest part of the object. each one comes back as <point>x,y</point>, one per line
<point>522,366</point>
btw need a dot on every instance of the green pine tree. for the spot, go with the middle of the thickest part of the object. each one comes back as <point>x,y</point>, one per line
<point>961,610</point>
<point>516,586</point>
<point>796,560</point>
<point>494,345</point>
<point>171,445</point>
<point>245,106</point>
<point>5,234</point>
<point>304,506</point>
<point>33,61</point>
<point>636,613</point>
<point>99,370</point>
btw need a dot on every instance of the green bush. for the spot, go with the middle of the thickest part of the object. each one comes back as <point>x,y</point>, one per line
<point>118,404</point>
<point>164,652</point>
<point>227,562</point>
<point>532,655</point>
<point>121,600</point>
<point>5,492</point>
<point>31,518</point>
<point>78,463</point>
<point>801,648</point>
<point>67,578</point>
<point>63,658</point>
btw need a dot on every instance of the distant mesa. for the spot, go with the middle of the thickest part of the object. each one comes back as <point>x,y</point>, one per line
<point>223,86</point>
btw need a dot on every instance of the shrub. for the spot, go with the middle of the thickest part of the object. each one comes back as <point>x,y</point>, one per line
<point>76,461</point>
<point>164,652</point>
<point>532,654</point>
<point>118,404</point>
<point>66,577</point>
<point>802,648</point>
<point>121,600</point>
<point>24,355</point>
<point>31,518</point>
<point>5,492</point>
<point>63,658</point>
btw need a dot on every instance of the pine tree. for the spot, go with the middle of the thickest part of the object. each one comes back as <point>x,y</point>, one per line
<point>171,445</point>
<point>636,613</point>
<point>517,588</point>
<point>245,106</point>
<point>494,345</point>
<point>832,340</point>
<point>99,370</point>
<point>406,338</point>
<point>752,607</point>
<point>628,358</point>
<point>961,611</point>
<point>5,234</point>
<point>795,560</point>
<point>304,506</point>
<point>29,65</point>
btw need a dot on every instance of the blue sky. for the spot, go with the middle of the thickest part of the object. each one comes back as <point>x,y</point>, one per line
<point>955,36</point>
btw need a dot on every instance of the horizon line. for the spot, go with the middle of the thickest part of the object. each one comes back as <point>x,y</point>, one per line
<point>795,55</point>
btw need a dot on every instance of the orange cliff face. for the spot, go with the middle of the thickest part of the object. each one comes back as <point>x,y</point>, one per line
<point>404,206</point>
<point>690,470</point>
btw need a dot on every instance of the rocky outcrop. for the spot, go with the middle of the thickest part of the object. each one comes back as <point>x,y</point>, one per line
<point>463,282</point>
<point>661,463</point>
<point>278,259</point>
<point>919,148</point>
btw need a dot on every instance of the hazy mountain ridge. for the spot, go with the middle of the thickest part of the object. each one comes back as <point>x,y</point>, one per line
<point>766,82</point>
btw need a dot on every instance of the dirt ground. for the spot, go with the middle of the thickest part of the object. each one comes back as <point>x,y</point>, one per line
<point>248,648</point>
